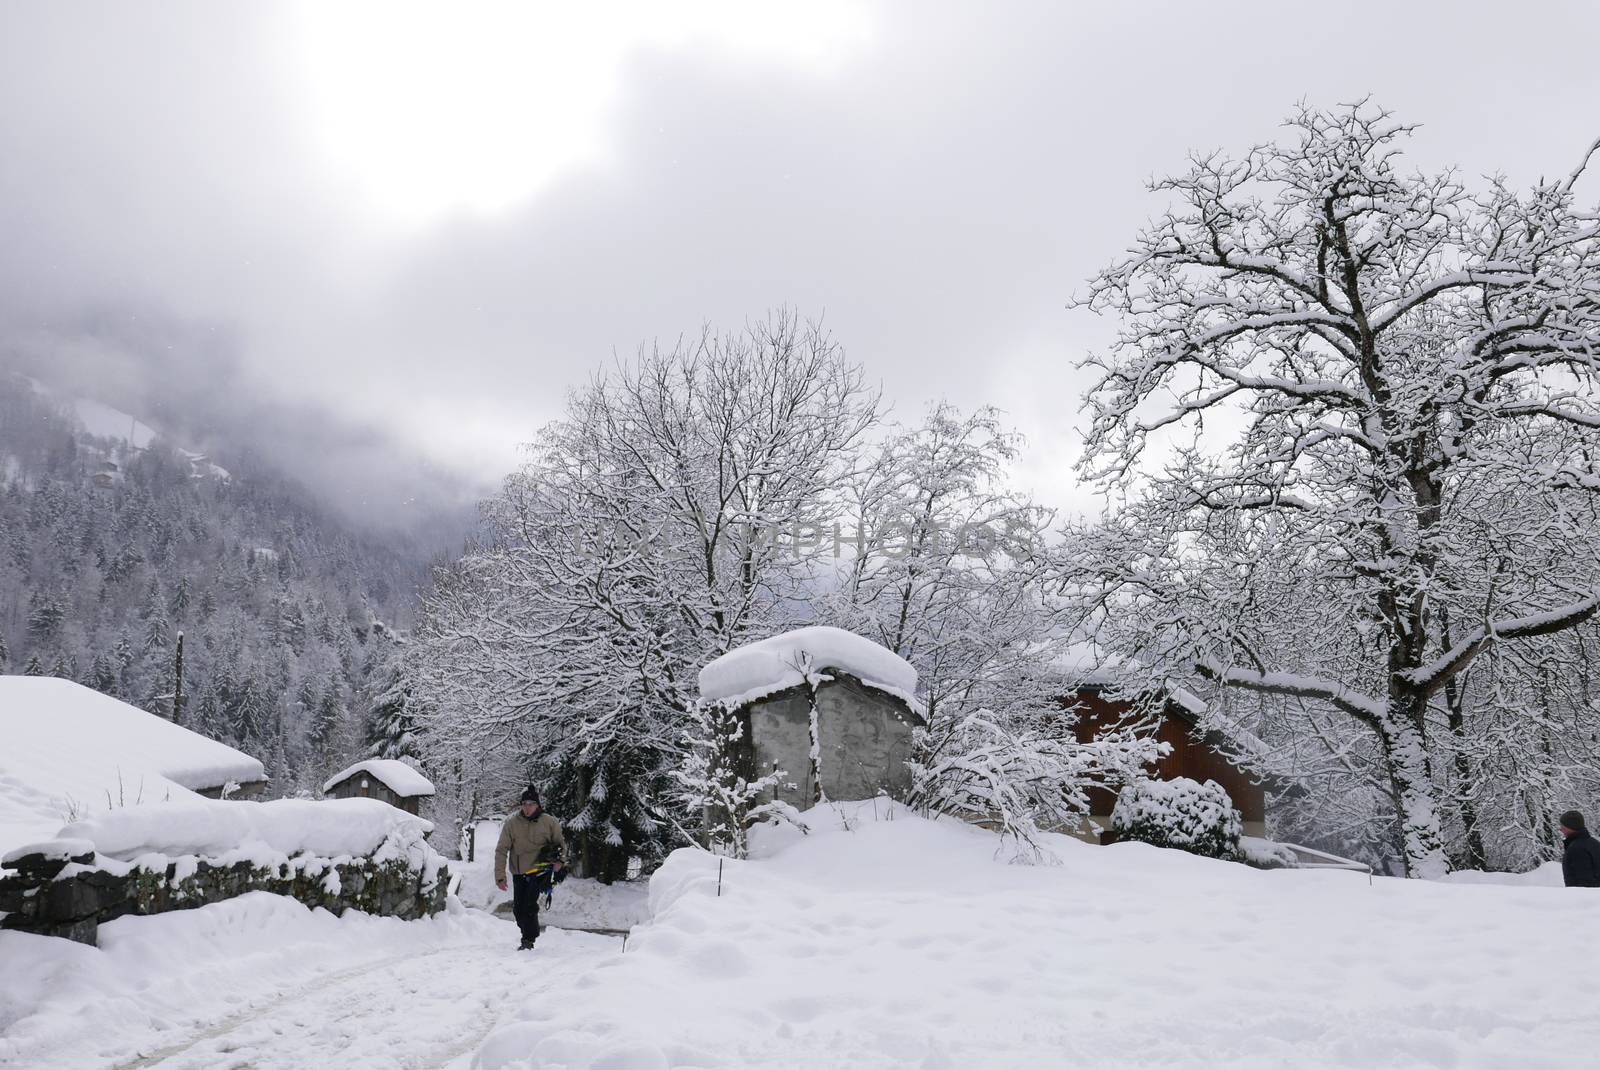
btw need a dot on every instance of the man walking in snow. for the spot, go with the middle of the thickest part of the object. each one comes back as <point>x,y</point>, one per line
<point>1580,858</point>
<point>531,841</point>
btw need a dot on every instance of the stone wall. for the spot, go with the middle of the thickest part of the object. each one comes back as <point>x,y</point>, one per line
<point>70,897</point>
<point>865,739</point>
<point>780,729</point>
<point>864,736</point>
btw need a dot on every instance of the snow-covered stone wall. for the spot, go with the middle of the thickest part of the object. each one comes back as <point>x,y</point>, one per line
<point>70,896</point>
<point>340,855</point>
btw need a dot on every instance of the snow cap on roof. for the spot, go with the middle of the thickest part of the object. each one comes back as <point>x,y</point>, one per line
<point>67,750</point>
<point>756,670</point>
<point>402,779</point>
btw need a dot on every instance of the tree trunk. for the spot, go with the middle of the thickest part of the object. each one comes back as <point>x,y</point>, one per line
<point>177,686</point>
<point>1406,754</point>
<point>588,845</point>
<point>1462,768</point>
<point>1461,765</point>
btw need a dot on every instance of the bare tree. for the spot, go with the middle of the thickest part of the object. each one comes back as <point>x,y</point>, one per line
<point>949,570</point>
<point>636,544</point>
<point>1379,356</point>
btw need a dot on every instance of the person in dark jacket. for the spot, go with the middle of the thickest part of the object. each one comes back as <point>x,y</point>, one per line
<point>532,846</point>
<point>1580,859</point>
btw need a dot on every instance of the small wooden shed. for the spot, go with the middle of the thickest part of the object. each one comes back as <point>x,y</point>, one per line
<point>385,779</point>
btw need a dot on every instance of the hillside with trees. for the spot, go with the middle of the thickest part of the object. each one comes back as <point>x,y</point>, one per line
<point>111,553</point>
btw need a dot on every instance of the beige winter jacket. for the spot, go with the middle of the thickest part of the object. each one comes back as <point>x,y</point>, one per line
<point>521,838</point>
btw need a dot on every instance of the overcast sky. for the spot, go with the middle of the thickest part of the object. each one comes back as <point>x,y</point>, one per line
<point>382,241</point>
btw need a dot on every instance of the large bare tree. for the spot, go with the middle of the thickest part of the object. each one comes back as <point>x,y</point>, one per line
<point>650,530</point>
<point>1369,360</point>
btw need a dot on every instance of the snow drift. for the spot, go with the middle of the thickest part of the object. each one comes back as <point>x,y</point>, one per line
<point>906,944</point>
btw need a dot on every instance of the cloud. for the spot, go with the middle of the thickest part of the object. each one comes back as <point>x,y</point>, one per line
<point>935,179</point>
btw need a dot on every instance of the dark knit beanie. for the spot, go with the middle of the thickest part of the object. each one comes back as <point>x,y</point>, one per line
<point>530,796</point>
<point>1572,820</point>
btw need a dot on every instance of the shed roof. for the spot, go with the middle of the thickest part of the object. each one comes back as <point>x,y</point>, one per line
<point>757,670</point>
<point>402,779</point>
<point>67,751</point>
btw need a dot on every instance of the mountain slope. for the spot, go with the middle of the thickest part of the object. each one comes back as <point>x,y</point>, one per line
<point>112,543</point>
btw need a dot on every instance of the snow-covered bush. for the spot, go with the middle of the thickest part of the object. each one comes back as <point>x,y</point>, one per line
<point>1018,780</point>
<point>715,779</point>
<point>1181,813</point>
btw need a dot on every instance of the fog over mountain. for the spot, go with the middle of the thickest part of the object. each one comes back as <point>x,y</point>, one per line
<point>188,381</point>
<point>382,246</point>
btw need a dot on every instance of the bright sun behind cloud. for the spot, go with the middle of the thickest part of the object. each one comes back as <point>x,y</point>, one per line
<point>427,110</point>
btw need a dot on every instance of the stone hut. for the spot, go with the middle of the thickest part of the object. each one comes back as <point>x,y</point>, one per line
<point>832,710</point>
<point>385,779</point>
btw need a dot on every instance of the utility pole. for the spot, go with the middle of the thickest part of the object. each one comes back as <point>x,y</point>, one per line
<point>177,687</point>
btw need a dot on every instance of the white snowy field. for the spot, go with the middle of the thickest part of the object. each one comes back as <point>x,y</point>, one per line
<point>900,944</point>
<point>907,944</point>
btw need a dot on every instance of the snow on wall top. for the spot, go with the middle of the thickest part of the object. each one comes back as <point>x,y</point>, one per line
<point>57,849</point>
<point>67,751</point>
<point>757,670</point>
<point>394,774</point>
<point>331,828</point>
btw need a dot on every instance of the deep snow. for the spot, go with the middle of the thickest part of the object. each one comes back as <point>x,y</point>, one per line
<point>263,982</point>
<point>907,944</point>
<point>899,943</point>
<point>329,828</point>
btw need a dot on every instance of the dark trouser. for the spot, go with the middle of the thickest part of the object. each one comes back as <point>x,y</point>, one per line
<point>525,904</point>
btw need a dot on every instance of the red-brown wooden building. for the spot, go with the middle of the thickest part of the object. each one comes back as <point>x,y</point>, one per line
<point>1195,754</point>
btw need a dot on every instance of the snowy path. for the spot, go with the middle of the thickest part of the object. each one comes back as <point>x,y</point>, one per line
<point>276,987</point>
<point>405,1011</point>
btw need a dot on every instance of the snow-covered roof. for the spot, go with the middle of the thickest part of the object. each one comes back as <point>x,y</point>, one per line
<point>1085,664</point>
<point>756,670</point>
<point>67,751</point>
<point>400,778</point>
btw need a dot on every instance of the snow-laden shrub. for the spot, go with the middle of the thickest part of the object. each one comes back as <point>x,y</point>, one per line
<point>716,779</point>
<point>1182,813</point>
<point>1016,780</point>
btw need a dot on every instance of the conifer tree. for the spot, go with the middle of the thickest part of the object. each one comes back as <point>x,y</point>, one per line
<point>392,728</point>
<point>181,597</point>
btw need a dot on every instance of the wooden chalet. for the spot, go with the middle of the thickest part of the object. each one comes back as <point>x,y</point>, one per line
<point>1196,753</point>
